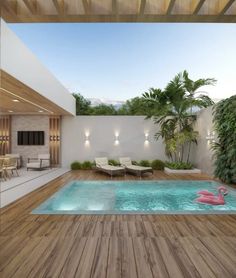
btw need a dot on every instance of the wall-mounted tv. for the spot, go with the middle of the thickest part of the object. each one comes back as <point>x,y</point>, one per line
<point>30,137</point>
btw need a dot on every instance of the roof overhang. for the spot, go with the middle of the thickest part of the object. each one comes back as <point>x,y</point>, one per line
<point>26,86</point>
<point>119,10</point>
<point>18,98</point>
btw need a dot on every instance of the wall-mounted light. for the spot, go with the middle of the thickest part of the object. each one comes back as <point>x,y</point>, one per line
<point>117,138</point>
<point>86,138</point>
<point>146,141</point>
<point>3,138</point>
<point>54,138</point>
<point>210,137</point>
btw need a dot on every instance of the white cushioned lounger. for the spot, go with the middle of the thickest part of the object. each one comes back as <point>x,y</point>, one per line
<point>103,166</point>
<point>129,167</point>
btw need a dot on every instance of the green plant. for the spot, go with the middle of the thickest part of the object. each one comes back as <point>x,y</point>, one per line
<point>134,162</point>
<point>158,164</point>
<point>86,165</point>
<point>113,162</point>
<point>144,163</point>
<point>173,108</point>
<point>225,148</point>
<point>179,165</point>
<point>76,165</point>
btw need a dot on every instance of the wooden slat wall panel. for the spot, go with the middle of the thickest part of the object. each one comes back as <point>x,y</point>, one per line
<point>5,134</point>
<point>54,139</point>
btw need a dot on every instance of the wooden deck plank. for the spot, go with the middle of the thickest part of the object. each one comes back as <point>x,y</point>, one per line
<point>142,258</point>
<point>114,258</point>
<point>86,262</point>
<point>127,246</point>
<point>71,264</point>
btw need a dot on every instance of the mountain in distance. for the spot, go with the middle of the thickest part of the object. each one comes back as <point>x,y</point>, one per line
<point>97,101</point>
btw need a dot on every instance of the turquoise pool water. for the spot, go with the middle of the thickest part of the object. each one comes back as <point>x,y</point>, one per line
<point>117,197</point>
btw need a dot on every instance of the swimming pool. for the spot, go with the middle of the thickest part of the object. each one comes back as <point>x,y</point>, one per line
<point>133,197</point>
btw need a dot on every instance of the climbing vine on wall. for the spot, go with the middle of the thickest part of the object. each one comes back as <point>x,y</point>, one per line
<point>225,147</point>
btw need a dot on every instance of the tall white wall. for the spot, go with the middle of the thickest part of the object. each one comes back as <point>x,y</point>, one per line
<point>202,155</point>
<point>18,61</point>
<point>102,130</point>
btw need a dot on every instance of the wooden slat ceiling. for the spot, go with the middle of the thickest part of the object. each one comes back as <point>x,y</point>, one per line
<point>118,10</point>
<point>29,101</point>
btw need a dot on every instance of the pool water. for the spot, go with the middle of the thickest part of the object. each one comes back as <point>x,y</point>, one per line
<point>117,197</point>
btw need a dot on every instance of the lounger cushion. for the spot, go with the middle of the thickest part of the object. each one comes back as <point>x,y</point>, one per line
<point>126,161</point>
<point>138,168</point>
<point>112,168</point>
<point>101,161</point>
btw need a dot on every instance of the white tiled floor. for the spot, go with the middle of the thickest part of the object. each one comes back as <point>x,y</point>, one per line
<point>27,181</point>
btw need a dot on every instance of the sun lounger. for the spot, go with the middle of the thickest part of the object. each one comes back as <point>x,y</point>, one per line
<point>135,169</point>
<point>103,166</point>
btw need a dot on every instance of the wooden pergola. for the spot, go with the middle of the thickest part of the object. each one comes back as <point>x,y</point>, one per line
<point>118,10</point>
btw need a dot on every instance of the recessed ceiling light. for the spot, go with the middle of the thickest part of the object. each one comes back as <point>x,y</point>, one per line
<point>15,100</point>
<point>40,111</point>
<point>10,111</point>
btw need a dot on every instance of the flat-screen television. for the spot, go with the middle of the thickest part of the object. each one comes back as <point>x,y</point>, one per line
<point>30,137</point>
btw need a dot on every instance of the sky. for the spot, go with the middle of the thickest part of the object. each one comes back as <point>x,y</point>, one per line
<point>120,61</point>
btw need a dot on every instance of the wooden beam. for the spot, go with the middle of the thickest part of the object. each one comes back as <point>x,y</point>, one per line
<point>59,5</point>
<point>87,6</point>
<point>124,18</point>
<point>170,7</point>
<point>198,7</point>
<point>114,7</point>
<point>31,5</point>
<point>142,7</point>
<point>226,7</point>
<point>10,7</point>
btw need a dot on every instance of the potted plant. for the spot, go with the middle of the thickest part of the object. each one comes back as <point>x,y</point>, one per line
<point>174,109</point>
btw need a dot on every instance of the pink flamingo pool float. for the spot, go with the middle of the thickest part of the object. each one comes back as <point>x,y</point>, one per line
<point>210,199</point>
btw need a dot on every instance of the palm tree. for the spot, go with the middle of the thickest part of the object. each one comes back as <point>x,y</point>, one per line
<point>172,108</point>
<point>192,89</point>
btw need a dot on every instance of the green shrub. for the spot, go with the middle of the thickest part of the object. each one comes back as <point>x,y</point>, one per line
<point>179,165</point>
<point>86,165</point>
<point>113,162</point>
<point>144,163</point>
<point>76,165</point>
<point>158,164</point>
<point>134,162</point>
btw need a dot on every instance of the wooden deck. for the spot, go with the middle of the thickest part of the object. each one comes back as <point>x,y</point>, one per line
<point>113,245</point>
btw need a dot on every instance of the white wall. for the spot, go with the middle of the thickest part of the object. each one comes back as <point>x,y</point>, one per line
<point>102,131</point>
<point>18,61</point>
<point>29,123</point>
<point>202,154</point>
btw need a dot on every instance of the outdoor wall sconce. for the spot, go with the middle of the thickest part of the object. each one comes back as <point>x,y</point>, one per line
<point>210,136</point>
<point>86,138</point>
<point>116,138</point>
<point>146,142</point>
